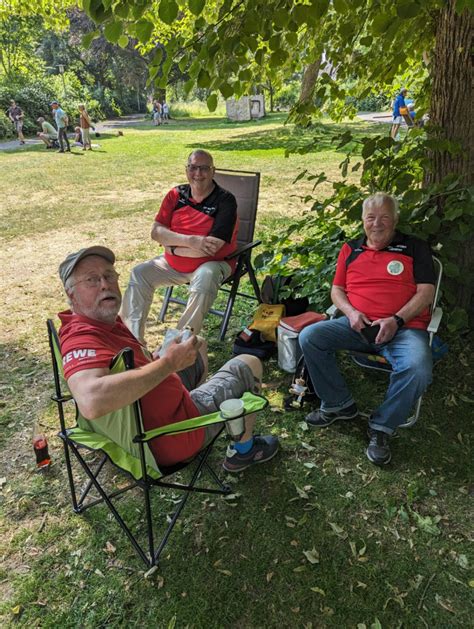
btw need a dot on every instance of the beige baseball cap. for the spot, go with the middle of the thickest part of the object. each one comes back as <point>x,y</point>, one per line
<point>68,265</point>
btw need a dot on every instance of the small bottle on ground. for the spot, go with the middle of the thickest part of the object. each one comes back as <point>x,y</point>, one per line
<point>40,446</point>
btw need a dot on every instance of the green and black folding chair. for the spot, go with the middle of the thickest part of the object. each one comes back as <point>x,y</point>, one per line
<point>120,438</point>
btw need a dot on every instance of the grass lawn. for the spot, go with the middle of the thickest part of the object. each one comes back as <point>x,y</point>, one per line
<point>317,538</point>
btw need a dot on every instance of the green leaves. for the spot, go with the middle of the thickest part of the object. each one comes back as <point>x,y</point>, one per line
<point>123,41</point>
<point>196,6</point>
<point>143,30</point>
<point>408,9</point>
<point>113,31</point>
<point>212,102</point>
<point>168,11</point>
<point>89,37</point>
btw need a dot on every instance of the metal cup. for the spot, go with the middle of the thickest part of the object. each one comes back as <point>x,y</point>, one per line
<point>233,408</point>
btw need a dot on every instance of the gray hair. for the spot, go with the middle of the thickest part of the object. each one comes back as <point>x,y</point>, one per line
<point>69,288</point>
<point>203,153</point>
<point>377,200</point>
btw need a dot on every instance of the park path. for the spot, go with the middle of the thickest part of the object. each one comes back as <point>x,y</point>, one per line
<point>101,127</point>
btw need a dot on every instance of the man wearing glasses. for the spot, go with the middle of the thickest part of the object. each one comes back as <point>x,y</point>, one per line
<point>197,226</point>
<point>170,387</point>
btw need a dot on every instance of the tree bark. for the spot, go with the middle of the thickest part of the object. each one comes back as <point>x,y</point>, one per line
<point>452,114</point>
<point>308,82</point>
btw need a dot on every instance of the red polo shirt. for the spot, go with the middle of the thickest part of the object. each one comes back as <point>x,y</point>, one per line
<point>90,344</point>
<point>380,282</point>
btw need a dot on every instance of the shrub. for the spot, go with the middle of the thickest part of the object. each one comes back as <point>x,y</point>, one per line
<point>6,128</point>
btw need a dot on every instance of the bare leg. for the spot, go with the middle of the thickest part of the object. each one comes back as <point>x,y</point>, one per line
<point>256,367</point>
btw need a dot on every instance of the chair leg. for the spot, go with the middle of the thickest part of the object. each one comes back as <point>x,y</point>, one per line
<point>231,299</point>
<point>253,280</point>
<point>411,421</point>
<point>166,303</point>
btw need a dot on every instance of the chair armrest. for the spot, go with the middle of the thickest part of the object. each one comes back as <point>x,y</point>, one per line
<point>243,249</point>
<point>332,312</point>
<point>252,404</point>
<point>435,320</point>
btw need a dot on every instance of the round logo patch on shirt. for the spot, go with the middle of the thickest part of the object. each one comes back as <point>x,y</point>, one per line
<point>395,267</point>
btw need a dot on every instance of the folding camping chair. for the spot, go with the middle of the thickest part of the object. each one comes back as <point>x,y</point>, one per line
<point>244,185</point>
<point>371,360</point>
<point>129,451</point>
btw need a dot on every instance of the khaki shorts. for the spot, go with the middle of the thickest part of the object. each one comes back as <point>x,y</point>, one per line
<point>231,381</point>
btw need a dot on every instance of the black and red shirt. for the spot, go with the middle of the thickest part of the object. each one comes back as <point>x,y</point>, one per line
<point>215,216</point>
<point>379,283</point>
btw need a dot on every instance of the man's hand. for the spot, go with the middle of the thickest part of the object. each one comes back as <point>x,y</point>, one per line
<point>358,320</point>
<point>208,245</point>
<point>182,354</point>
<point>388,329</point>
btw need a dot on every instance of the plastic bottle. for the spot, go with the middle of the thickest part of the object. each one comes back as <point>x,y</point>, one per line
<point>40,445</point>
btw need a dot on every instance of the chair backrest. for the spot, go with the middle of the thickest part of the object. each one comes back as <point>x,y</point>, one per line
<point>245,186</point>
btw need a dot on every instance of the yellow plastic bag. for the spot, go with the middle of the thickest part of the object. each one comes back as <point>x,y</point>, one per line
<point>266,320</point>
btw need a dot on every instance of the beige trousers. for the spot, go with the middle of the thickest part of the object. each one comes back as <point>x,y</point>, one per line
<point>204,283</point>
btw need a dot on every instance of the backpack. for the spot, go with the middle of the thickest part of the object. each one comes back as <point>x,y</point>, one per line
<point>270,293</point>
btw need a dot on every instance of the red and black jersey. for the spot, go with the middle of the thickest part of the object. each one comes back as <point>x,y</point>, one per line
<point>215,216</point>
<point>380,282</point>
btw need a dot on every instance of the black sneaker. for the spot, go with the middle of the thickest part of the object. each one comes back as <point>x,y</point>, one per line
<point>263,449</point>
<point>321,419</point>
<point>378,451</point>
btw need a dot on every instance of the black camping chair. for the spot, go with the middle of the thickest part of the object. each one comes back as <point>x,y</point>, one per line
<point>245,187</point>
<point>128,450</point>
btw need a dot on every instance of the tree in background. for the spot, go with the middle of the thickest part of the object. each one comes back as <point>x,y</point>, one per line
<point>226,46</point>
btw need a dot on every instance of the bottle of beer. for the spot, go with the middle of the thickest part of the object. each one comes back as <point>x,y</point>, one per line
<point>40,446</point>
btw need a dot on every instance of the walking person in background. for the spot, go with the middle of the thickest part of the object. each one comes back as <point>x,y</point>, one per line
<point>62,121</point>
<point>85,124</point>
<point>399,111</point>
<point>48,133</point>
<point>16,115</point>
<point>156,113</point>
<point>165,112</point>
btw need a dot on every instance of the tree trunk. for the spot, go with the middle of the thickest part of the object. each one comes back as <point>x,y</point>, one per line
<point>308,82</point>
<point>452,112</point>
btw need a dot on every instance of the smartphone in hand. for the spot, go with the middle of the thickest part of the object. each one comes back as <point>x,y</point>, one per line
<point>370,333</point>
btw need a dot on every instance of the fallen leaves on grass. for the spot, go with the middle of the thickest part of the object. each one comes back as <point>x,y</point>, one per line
<point>338,530</point>
<point>311,555</point>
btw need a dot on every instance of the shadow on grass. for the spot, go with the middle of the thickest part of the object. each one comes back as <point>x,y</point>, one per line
<point>317,138</point>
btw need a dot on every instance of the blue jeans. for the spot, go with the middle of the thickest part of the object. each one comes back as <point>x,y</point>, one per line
<point>408,353</point>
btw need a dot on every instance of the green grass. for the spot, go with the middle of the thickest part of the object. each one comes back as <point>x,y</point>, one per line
<point>391,544</point>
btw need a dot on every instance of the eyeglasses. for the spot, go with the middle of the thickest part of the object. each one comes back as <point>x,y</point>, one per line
<point>204,169</point>
<point>111,277</point>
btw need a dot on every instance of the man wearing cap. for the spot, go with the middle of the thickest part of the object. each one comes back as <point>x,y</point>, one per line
<point>92,333</point>
<point>384,286</point>
<point>197,226</point>
<point>48,133</point>
<point>62,121</point>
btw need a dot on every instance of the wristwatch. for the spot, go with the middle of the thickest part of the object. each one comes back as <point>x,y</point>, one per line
<point>399,320</point>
